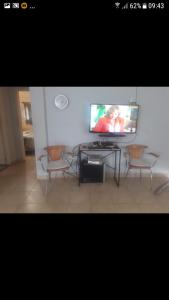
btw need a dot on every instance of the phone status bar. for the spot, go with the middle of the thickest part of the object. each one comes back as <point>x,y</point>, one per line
<point>146,6</point>
<point>18,6</point>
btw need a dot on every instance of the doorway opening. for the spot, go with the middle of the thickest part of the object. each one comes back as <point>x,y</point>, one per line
<point>16,129</point>
<point>26,122</point>
<point>3,162</point>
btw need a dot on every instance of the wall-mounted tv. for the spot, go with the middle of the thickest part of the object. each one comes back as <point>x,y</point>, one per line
<point>112,118</point>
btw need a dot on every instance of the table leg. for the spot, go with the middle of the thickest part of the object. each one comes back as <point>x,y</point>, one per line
<point>119,167</point>
<point>79,166</point>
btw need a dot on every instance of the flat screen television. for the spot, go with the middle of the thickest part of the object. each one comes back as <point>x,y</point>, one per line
<point>113,119</point>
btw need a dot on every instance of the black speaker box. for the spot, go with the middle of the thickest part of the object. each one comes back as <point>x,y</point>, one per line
<point>91,172</point>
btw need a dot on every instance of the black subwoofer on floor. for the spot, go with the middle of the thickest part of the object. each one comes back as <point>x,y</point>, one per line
<point>91,172</point>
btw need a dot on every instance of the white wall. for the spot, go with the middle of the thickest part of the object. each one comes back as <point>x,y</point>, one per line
<point>71,126</point>
<point>39,124</point>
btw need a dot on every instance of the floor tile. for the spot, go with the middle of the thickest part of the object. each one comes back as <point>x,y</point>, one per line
<point>21,192</point>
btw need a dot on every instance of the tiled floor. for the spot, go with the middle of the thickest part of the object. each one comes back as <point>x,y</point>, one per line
<point>21,192</point>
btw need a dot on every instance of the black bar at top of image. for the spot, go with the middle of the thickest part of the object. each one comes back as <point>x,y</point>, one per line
<point>77,43</point>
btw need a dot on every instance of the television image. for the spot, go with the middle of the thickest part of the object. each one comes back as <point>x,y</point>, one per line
<point>112,118</point>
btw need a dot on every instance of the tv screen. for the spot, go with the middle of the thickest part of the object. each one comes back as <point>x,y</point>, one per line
<point>111,118</point>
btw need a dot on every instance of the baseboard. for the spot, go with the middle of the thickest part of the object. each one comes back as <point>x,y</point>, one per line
<point>44,177</point>
<point>107,175</point>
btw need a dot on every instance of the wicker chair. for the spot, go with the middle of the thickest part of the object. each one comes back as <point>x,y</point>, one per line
<point>136,158</point>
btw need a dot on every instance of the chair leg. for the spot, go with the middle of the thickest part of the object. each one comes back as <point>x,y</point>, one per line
<point>151,178</point>
<point>126,169</point>
<point>140,176</point>
<point>47,182</point>
<point>161,188</point>
<point>76,169</point>
<point>49,176</point>
<point>127,172</point>
<point>46,191</point>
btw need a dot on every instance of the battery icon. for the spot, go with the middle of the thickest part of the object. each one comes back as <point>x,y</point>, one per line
<point>144,6</point>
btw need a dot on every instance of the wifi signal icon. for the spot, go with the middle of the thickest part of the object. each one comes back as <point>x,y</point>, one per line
<point>117,4</point>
